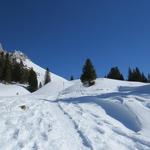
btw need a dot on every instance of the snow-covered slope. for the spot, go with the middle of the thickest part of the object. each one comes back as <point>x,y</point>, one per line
<point>111,115</point>
<point>39,70</point>
<point>53,89</point>
<point>102,86</point>
<point>12,90</point>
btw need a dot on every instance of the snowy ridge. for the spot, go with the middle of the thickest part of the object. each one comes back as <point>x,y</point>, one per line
<point>102,86</point>
<point>19,55</point>
<point>39,70</point>
<point>12,90</point>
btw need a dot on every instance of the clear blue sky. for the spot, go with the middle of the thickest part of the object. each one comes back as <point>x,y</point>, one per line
<point>61,34</point>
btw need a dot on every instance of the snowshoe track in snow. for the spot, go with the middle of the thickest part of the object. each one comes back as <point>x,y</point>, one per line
<point>84,138</point>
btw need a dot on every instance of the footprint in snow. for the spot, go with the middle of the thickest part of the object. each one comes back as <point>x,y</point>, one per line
<point>15,134</point>
<point>44,136</point>
<point>21,144</point>
<point>35,147</point>
<point>98,122</point>
<point>49,127</point>
<point>101,131</point>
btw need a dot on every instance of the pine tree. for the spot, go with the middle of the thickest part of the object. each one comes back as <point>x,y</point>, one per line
<point>7,77</point>
<point>2,65</point>
<point>33,83</point>
<point>130,76</point>
<point>17,72</point>
<point>71,78</point>
<point>136,75</point>
<point>148,78</point>
<point>88,76</point>
<point>144,79</point>
<point>7,74</point>
<point>114,73</point>
<point>47,77</point>
<point>25,75</point>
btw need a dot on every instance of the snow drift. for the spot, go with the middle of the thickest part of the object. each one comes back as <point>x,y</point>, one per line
<point>12,90</point>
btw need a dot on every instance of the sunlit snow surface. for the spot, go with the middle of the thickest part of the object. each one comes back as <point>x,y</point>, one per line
<point>64,115</point>
<point>12,90</point>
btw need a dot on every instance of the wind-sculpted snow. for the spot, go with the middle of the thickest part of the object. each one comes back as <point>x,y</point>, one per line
<point>111,115</point>
<point>12,90</point>
<point>114,109</point>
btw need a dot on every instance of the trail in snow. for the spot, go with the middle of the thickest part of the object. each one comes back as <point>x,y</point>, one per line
<point>85,139</point>
<point>97,126</point>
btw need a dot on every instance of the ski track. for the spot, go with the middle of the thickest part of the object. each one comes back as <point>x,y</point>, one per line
<point>84,138</point>
<point>132,138</point>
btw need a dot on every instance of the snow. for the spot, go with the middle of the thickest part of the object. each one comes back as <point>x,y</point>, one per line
<point>64,115</point>
<point>12,90</point>
<point>103,86</point>
<point>52,89</point>
<point>39,70</point>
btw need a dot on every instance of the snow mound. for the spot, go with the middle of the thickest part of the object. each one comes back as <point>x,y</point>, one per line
<point>12,90</point>
<point>54,88</point>
<point>102,86</point>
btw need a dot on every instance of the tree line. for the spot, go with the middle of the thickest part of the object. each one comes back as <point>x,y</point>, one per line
<point>89,75</point>
<point>13,70</point>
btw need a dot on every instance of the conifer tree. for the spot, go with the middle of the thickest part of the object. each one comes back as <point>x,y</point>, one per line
<point>17,72</point>
<point>114,73</point>
<point>7,74</point>
<point>25,76</point>
<point>136,75</point>
<point>88,76</point>
<point>2,65</point>
<point>47,76</point>
<point>130,75</point>
<point>7,77</point>
<point>71,78</point>
<point>33,83</point>
<point>144,79</point>
<point>148,78</point>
